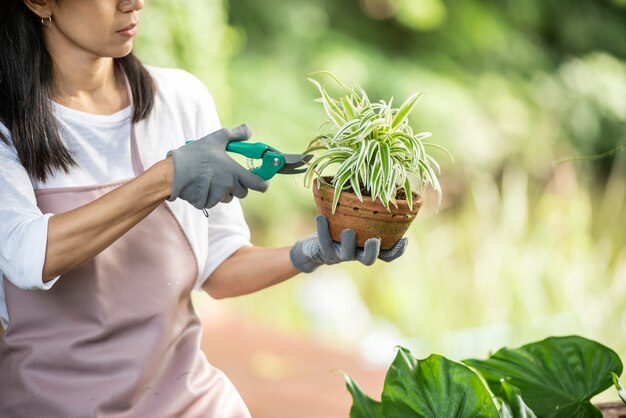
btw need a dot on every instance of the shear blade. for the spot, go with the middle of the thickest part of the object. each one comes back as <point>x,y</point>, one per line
<point>293,161</point>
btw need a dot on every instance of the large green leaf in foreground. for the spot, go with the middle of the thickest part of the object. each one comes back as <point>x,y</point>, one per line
<point>362,405</point>
<point>434,388</point>
<point>513,406</point>
<point>557,377</point>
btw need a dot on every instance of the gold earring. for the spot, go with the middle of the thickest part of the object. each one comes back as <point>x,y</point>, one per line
<point>47,22</point>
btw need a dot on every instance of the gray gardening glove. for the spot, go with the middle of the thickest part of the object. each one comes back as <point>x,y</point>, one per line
<point>205,175</point>
<point>317,249</point>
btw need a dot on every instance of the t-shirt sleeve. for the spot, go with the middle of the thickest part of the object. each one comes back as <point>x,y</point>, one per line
<point>228,230</point>
<point>23,227</point>
<point>207,120</point>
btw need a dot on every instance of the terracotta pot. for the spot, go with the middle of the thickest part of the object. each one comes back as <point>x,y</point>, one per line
<point>612,410</point>
<point>369,219</point>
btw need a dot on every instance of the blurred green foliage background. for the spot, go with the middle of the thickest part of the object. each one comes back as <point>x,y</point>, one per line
<point>524,246</point>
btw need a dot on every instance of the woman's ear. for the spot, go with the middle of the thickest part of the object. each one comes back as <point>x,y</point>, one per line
<point>40,7</point>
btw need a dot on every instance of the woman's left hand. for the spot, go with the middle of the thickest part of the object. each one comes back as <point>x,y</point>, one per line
<point>318,249</point>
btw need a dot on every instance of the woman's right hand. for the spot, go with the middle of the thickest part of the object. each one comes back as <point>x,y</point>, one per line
<point>205,175</point>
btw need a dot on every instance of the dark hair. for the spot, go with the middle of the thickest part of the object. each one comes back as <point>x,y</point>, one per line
<point>26,77</point>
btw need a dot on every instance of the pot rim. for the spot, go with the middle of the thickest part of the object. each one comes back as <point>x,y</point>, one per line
<point>416,199</point>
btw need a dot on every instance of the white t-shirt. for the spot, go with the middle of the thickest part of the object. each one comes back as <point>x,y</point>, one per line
<point>184,109</point>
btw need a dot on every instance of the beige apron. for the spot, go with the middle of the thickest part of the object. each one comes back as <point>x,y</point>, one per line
<point>117,336</point>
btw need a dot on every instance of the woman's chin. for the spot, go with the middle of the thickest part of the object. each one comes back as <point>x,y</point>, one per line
<point>122,51</point>
<point>115,49</point>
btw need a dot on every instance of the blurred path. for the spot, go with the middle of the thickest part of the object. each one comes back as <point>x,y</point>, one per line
<point>280,375</point>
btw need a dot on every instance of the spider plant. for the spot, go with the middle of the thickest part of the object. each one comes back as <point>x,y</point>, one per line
<point>376,149</point>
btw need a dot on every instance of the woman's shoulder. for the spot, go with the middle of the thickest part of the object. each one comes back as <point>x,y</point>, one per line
<point>177,82</point>
<point>11,170</point>
<point>7,150</point>
<point>186,98</point>
<point>185,109</point>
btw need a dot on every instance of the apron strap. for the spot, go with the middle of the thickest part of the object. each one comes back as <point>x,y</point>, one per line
<point>138,166</point>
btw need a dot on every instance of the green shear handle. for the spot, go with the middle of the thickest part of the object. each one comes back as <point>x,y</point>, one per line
<point>272,160</point>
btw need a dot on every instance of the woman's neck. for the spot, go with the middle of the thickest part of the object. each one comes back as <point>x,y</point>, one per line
<point>92,86</point>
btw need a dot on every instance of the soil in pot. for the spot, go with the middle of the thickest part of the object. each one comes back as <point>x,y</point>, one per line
<point>368,219</point>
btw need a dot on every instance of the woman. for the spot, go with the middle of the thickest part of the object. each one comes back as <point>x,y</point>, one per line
<point>102,236</point>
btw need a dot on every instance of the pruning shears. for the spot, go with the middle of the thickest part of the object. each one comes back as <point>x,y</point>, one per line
<point>273,161</point>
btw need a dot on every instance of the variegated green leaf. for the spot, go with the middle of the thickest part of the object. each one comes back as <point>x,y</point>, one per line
<point>329,104</point>
<point>439,147</point>
<point>618,385</point>
<point>405,109</point>
<point>354,183</point>
<point>339,183</point>
<point>348,107</point>
<point>409,192</point>
<point>331,75</point>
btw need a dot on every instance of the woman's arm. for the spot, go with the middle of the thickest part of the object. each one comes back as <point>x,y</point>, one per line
<point>200,173</point>
<point>82,233</point>
<point>248,270</point>
<point>252,268</point>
